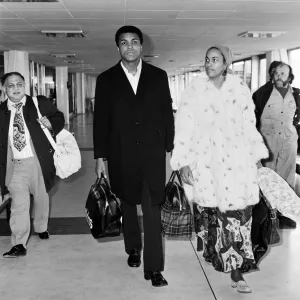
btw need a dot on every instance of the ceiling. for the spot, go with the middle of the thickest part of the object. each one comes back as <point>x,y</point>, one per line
<point>179,31</point>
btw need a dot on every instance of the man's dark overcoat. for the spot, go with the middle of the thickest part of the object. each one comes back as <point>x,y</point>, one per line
<point>43,149</point>
<point>134,131</point>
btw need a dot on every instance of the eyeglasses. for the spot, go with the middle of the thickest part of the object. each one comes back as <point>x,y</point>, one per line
<point>12,86</point>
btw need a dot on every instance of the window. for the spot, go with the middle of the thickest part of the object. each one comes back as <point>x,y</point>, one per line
<point>294,56</point>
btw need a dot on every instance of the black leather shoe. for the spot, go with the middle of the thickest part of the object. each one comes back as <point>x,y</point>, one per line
<point>134,259</point>
<point>285,222</point>
<point>44,235</point>
<point>16,251</point>
<point>156,277</point>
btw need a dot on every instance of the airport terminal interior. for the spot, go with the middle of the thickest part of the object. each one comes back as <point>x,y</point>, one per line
<point>60,47</point>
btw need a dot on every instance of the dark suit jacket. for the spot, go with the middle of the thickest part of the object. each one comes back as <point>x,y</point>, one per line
<point>134,132</point>
<point>42,147</point>
<point>261,97</point>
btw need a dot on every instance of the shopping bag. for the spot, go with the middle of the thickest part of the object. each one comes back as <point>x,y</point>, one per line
<point>176,214</point>
<point>5,202</point>
<point>103,210</point>
<point>67,157</point>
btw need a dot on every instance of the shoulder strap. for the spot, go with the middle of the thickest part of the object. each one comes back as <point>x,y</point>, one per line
<point>46,131</point>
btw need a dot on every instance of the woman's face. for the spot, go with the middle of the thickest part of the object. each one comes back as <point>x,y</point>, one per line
<point>214,63</point>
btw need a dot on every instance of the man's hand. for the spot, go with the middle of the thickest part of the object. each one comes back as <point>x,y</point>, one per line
<point>100,168</point>
<point>44,121</point>
<point>186,175</point>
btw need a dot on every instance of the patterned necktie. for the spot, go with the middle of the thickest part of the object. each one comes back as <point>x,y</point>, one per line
<point>19,140</point>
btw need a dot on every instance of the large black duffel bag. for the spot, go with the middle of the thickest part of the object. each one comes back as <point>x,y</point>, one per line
<point>103,210</point>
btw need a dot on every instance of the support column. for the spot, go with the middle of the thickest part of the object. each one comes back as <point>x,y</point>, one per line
<point>176,86</point>
<point>62,94</point>
<point>80,93</point>
<point>254,73</point>
<point>18,61</point>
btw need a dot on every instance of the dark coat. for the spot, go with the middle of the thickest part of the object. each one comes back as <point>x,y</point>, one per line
<point>42,147</point>
<point>134,132</point>
<point>261,97</point>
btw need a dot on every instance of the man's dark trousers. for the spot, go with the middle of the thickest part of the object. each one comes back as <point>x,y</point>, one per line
<point>153,248</point>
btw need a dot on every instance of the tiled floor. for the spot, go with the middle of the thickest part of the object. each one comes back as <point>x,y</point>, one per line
<point>75,266</point>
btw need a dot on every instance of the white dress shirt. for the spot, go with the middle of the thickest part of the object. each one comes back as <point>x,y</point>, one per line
<point>133,79</point>
<point>26,151</point>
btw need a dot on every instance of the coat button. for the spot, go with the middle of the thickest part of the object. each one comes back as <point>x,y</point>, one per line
<point>50,150</point>
<point>137,142</point>
<point>137,123</point>
<point>2,129</point>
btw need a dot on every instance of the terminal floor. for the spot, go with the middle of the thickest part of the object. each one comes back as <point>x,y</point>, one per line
<point>72,265</point>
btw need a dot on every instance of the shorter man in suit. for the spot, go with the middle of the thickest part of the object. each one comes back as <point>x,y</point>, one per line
<point>27,165</point>
<point>133,130</point>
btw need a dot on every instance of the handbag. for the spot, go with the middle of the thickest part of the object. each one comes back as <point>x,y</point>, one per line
<point>67,158</point>
<point>103,210</point>
<point>5,203</point>
<point>176,214</point>
<point>264,231</point>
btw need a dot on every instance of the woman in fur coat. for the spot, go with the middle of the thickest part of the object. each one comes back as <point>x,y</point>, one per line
<point>217,147</point>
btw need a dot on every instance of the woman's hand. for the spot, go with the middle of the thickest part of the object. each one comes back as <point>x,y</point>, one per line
<point>259,164</point>
<point>186,175</point>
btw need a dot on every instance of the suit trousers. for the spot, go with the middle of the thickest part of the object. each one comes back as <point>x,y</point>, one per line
<point>153,255</point>
<point>27,179</point>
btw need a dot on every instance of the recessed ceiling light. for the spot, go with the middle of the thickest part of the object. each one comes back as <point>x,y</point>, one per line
<point>63,55</point>
<point>63,34</point>
<point>151,55</point>
<point>260,34</point>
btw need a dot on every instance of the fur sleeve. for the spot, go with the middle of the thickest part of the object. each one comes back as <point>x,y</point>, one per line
<point>183,153</point>
<point>258,147</point>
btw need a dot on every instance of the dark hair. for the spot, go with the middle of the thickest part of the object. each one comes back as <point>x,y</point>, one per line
<point>5,76</point>
<point>128,29</point>
<point>272,67</point>
<point>291,75</point>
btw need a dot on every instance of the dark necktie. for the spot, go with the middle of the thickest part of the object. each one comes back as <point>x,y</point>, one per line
<point>19,140</point>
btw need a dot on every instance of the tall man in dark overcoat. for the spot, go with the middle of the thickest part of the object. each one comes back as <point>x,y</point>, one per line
<point>26,159</point>
<point>133,130</point>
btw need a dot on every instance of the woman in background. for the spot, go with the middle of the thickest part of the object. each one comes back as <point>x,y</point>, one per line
<point>216,150</point>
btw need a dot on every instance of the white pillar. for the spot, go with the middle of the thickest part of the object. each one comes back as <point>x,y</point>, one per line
<point>176,85</point>
<point>80,93</point>
<point>254,73</point>
<point>62,94</point>
<point>17,61</point>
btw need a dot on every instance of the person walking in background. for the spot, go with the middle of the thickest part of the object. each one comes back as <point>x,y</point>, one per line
<point>26,156</point>
<point>277,113</point>
<point>216,150</point>
<point>133,129</point>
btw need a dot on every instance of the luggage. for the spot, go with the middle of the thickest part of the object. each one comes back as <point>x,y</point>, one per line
<point>176,215</point>
<point>103,210</point>
<point>264,231</point>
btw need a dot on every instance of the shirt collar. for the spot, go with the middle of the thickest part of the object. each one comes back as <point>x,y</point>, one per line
<point>139,68</point>
<point>290,88</point>
<point>11,104</point>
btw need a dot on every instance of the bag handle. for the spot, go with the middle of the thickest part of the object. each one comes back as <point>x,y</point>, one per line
<point>172,177</point>
<point>45,129</point>
<point>98,182</point>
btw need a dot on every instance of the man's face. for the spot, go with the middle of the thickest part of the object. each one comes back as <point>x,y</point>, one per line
<point>281,76</point>
<point>130,47</point>
<point>14,87</point>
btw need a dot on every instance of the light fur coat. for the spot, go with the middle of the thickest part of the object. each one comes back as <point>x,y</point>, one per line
<point>215,135</point>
